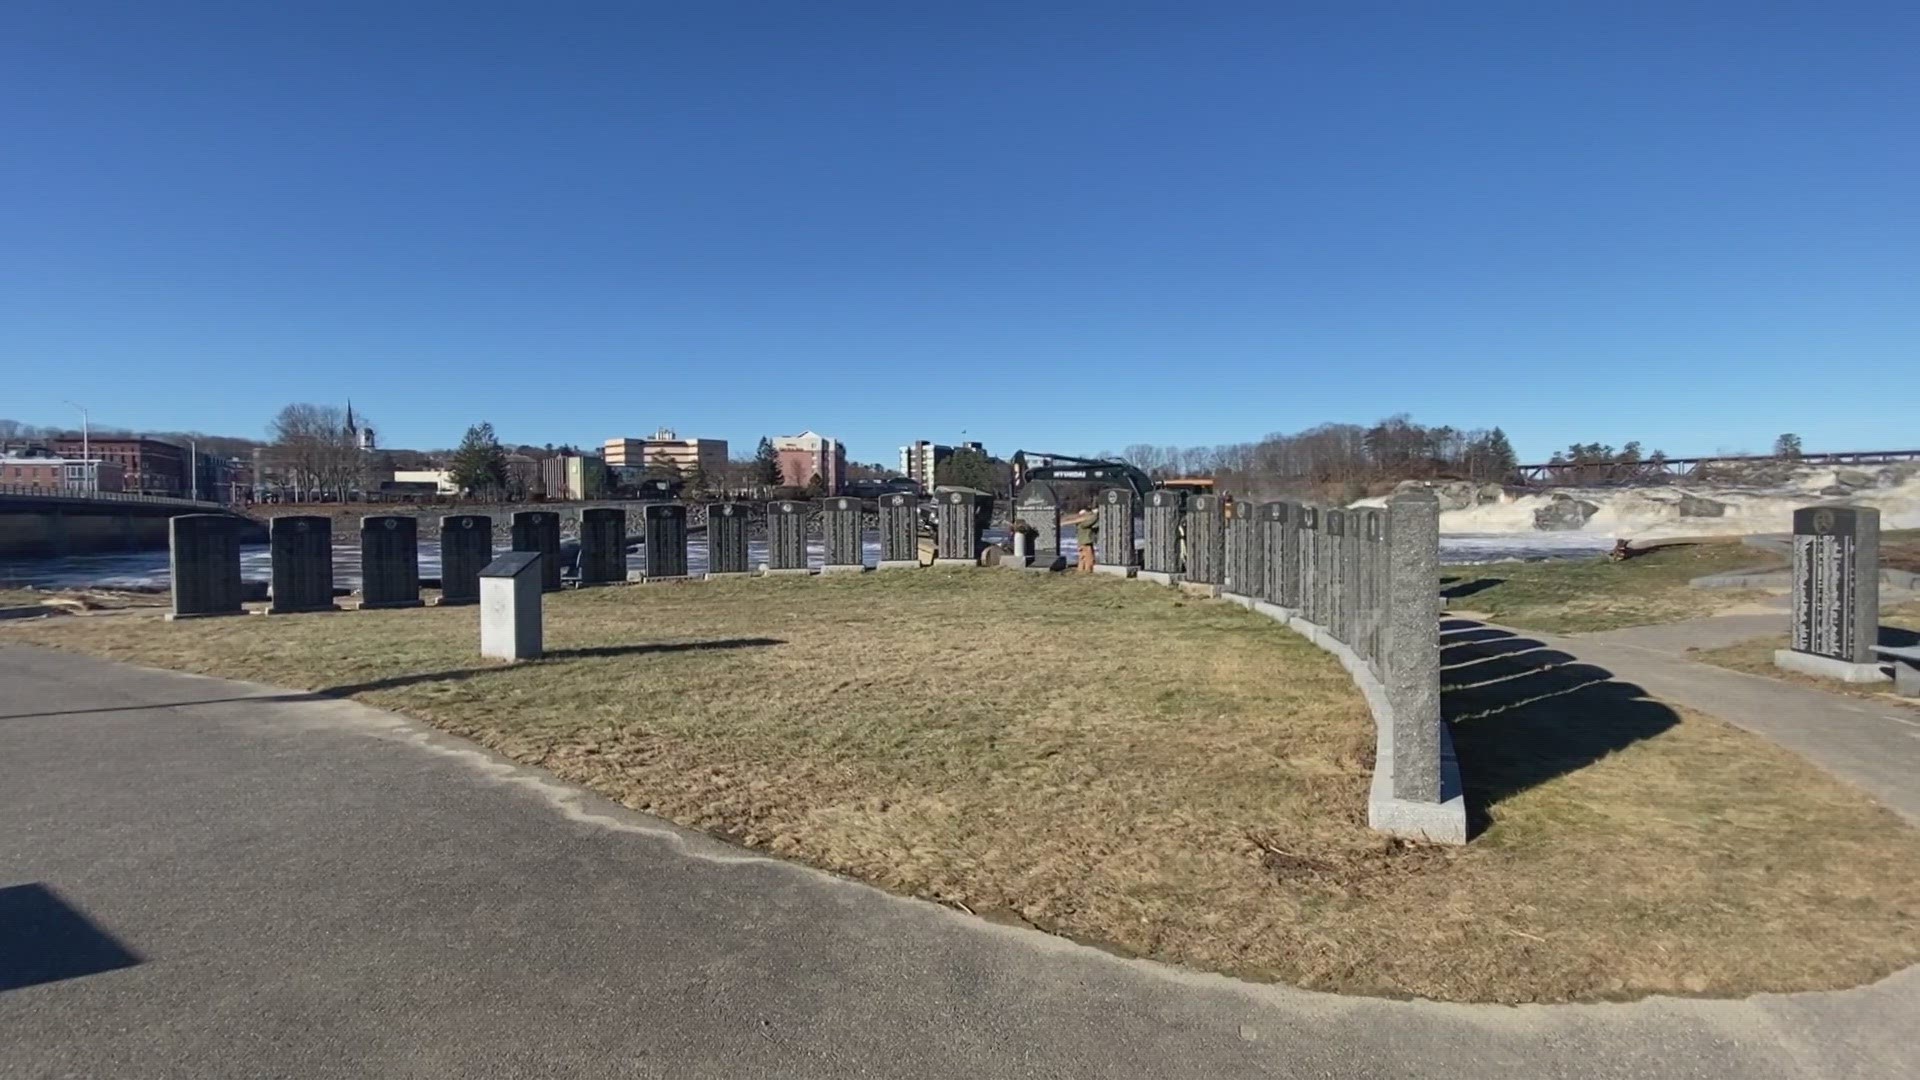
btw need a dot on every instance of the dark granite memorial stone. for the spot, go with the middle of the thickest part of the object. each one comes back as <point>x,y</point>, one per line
<point>727,548</point>
<point>539,531</point>
<point>842,523</point>
<point>390,561</point>
<point>957,533</point>
<point>204,561</point>
<point>1162,525</point>
<point>1836,582</point>
<point>1206,540</point>
<point>1115,546</point>
<point>603,545</point>
<point>899,528</point>
<point>466,547</point>
<point>301,548</point>
<point>664,526</point>
<point>787,535</point>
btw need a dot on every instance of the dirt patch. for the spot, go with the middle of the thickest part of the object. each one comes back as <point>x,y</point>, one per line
<point>1171,778</point>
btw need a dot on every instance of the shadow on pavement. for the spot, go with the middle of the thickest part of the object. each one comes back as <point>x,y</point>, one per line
<point>44,939</point>
<point>394,682</point>
<point>1524,713</point>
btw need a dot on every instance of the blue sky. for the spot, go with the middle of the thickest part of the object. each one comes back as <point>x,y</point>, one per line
<point>1052,226</point>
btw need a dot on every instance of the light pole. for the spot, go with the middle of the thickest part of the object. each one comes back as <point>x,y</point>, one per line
<point>86,450</point>
<point>193,467</point>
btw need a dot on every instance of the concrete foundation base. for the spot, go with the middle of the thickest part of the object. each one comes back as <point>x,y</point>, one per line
<point>851,568</point>
<point>1200,589</point>
<point>659,580</point>
<point>899,564</point>
<point>1110,570</point>
<point>788,572</point>
<point>1052,566</point>
<point>458,601</point>
<point>1826,667</point>
<point>299,611</point>
<point>171,617</point>
<point>1158,577</point>
<point>731,574</point>
<point>970,564</point>
<point>390,604</point>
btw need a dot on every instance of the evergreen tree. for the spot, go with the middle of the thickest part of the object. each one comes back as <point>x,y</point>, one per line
<point>766,463</point>
<point>1500,453</point>
<point>968,469</point>
<point>479,465</point>
<point>816,487</point>
<point>1787,446</point>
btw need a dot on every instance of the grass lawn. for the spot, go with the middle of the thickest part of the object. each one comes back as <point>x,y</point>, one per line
<point>1565,596</point>
<point>1165,776</point>
<point>80,599</point>
<point>1756,658</point>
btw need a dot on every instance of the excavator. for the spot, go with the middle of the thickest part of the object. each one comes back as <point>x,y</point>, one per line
<point>1058,470</point>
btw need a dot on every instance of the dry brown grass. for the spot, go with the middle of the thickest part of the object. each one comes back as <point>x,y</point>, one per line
<point>1571,596</point>
<point>1170,777</point>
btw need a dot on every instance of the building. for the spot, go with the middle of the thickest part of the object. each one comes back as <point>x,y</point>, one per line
<point>574,477</point>
<point>61,474</point>
<point>441,479</point>
<point>921,461</point>
<point>151,467</point>
<point>666,448</point>
<point>809,454</point>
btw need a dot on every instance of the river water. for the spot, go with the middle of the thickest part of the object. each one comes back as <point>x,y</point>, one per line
<point>148,569</point>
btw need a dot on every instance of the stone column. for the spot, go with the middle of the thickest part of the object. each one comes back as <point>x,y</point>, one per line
<point>1206,541</point>
<point>842,522</point>
<point>1333,530</point>
<point>957,535</point>
<point>1114,549</point>
<point>466,547</point>
<point>603,545</point>
<point>1836,593</point>
<point>510,618</point>
<point>1309,563</point>
<point>1412,650</point>
<point>302,550</point>
<point>1039,512</point>
<point>389,561</point>
<point>727,549</point>
<point>899,532</point>
<point>1368,574</point>
<point>664,527</point>
<point>1244,567</point>
<point>203,560</point>
<point>1162,525</point>
<point>539,531</point>
<point>1280,553</point>
<point>787,537</point>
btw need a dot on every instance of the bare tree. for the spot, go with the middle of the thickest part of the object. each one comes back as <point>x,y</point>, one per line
<point>315,448</point>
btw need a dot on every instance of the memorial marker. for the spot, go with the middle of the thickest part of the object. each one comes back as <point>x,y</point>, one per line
<point>957,534</point>
<point>203,560</point>
<point>466,547</point>
<point>664,530</point>
<point>301,549</point>
<point>539,531</point>
<point>727,548</point>
<point>787,537</point>
<point>1836,594</point>
<point>603,545</point>
<point>899,532</point>
<point>843,526</point>
<point>510,589</point>
<point>389,562</point>
<point>1162,524</point>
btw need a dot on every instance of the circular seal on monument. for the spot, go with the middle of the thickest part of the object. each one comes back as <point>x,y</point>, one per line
<point>726,511</point>
<point>466,523</point>
<point>391,524</point>
<point>954,498</point>
<point>786,508</point>
<point>1822,522</point>
<point>301,526</point>
<point>1113,496</point>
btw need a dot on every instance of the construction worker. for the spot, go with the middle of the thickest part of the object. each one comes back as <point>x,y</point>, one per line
<point>1088,530</point>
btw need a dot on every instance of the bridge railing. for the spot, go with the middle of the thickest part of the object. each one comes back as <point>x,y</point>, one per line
<point>43,491</point>
<point>1605,473</point>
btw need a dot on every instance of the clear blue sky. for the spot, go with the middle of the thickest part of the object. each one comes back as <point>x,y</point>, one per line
<point>1054,226</point>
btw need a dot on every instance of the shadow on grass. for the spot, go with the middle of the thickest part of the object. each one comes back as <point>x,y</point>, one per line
<point>44,939</point>
<point>347,690</point>
<point>1523,713</point>
<point>1468,588</point>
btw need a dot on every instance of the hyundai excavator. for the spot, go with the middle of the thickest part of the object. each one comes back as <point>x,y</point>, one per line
<point>1058,470</point>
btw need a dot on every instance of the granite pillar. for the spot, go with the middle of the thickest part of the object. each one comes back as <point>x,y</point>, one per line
<point>843,524</point>
<point>957,530</point>
<point>1206,540</point>
<point>1412,647</point>
<point>899,532</point>
<point>727,547</point>
<point>787,536</point>
<point>664,530</point>
<point>1115,546</point>
<point>603,545</point>
<point>1162,525</point>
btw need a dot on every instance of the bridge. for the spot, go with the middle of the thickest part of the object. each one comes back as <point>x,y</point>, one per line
<point>38,522</point>
<point>1623,473</point>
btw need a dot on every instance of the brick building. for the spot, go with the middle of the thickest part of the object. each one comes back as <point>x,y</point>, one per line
<point>810,454</point>
<point>60,474</point>
<point>151,467</point>
<point>665,447</point>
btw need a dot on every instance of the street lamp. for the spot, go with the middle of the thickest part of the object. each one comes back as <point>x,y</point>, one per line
<point>86,450</point>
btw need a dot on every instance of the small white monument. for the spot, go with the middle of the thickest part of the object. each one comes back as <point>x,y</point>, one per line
<point>510,607</point>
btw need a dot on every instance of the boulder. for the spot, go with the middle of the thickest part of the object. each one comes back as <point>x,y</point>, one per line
<point>1852,478</point>
<point>1563,514</point>
<point>1697,507</point>
<point>1458,495</point>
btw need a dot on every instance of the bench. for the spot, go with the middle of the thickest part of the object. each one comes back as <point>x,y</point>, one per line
<point>1906,668</point>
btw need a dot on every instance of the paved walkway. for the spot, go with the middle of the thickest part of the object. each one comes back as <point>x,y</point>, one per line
<point>1873,745</point>
<point>253,883</point>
